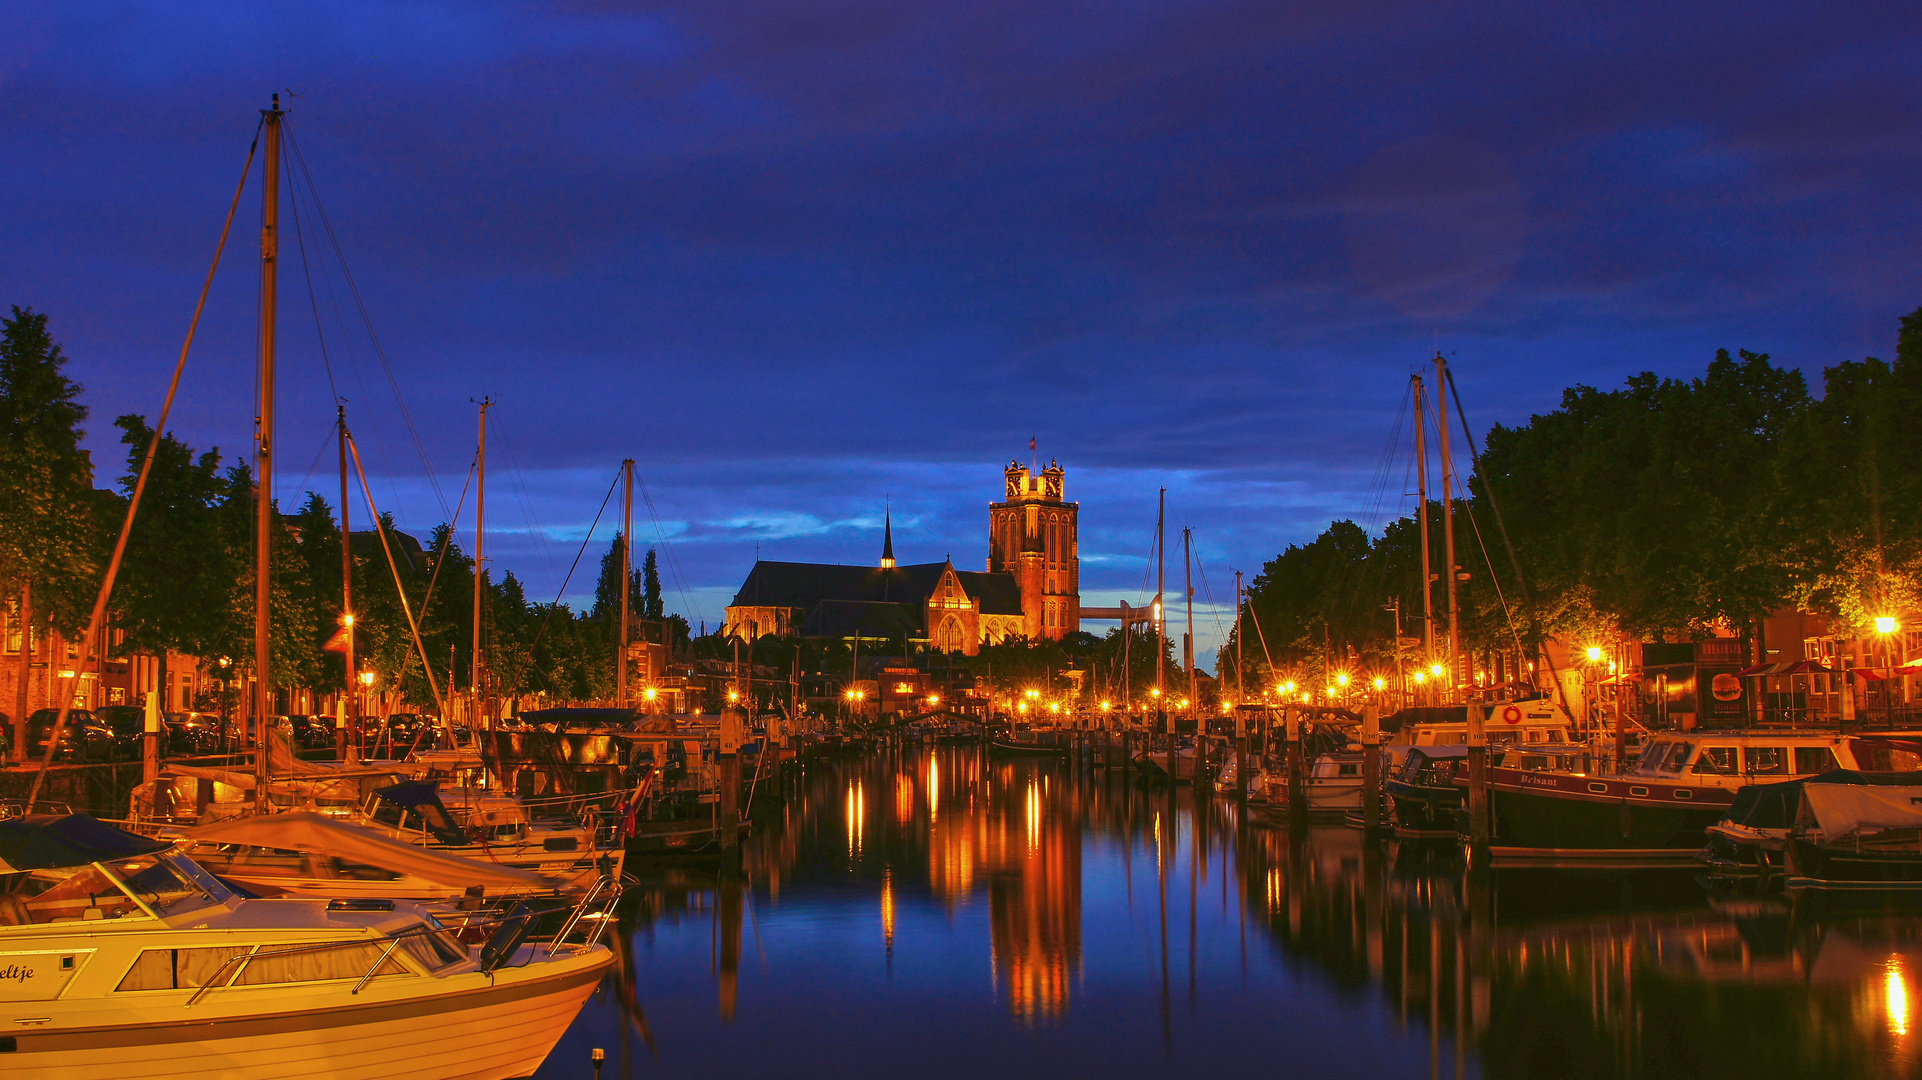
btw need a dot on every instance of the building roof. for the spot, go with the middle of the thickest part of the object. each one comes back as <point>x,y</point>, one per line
<point>808,585</point>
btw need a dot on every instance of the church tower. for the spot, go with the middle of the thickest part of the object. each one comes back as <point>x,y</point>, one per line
<point>1032,536</point>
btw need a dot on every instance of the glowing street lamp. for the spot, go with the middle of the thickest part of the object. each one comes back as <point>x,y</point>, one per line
<point>1380,683</point>
<point>1885,624</point>
<point>366,678</point>
<point>1341,678</point>
<point>650,693</point>
<point>1594,653</point>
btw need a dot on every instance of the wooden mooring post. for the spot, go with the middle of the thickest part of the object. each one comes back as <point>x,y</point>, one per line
<point>1370,768</point>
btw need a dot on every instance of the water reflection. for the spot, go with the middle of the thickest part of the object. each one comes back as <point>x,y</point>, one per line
<point>1126,932</point>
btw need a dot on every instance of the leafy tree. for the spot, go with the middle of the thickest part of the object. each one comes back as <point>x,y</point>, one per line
<point>48,549</point>
<point>176,578</point>
<point>651,605</point>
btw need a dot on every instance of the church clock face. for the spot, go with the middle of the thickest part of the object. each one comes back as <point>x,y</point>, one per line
<point>1054,487</point>
<point>1014,485</point>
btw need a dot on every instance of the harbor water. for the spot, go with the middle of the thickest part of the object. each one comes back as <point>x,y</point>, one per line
<point>935,912</point>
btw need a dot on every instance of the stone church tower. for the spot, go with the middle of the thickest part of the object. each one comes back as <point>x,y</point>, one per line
<point>1031,535</point>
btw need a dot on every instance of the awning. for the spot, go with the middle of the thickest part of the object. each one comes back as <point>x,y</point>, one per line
<point>48,841</point>
<point>1788,667</point>
<point>322,835</point>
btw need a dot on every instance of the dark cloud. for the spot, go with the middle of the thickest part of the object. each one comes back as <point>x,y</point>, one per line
<point>793,256</point>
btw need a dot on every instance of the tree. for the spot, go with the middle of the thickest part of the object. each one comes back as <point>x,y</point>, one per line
<point>651,605</point>
<point>47,540</point>
<point>176,577</point>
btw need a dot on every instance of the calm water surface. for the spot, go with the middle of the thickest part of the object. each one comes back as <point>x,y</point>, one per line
<point>929,914</point>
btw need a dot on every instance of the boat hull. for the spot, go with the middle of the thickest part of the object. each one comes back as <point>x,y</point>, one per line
<point>492,1032</point>
<point>1553,815</point>
<point>1424,808</point>
<point>1819,866</point>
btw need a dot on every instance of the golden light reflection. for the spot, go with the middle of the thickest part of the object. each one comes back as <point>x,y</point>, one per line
<point>903,799</point>
<point>857,811</point>
<point>1895,994</point>
<point>934,789</point>
<point>1033,816</point>
<point>887,907</point>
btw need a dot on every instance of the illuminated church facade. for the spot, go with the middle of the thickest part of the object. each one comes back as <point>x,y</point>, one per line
<point>1031,588</point>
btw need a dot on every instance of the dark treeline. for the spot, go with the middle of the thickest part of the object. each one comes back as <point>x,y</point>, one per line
<point>1664,510</point>
<point>186,582</point>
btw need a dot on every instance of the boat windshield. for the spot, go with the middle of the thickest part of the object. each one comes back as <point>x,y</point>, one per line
<point>169,884</point>
<point>164,883</point>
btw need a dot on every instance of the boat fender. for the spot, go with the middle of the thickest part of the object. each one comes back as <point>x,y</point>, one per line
<point>508,937</point>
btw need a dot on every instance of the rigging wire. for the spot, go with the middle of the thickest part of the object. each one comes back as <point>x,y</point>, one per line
<point>528,655</point>
<point>146,469</point>
<point>527,507</point>
<point>673,562</point>
<point>313,302</point>
<point>380,352</point>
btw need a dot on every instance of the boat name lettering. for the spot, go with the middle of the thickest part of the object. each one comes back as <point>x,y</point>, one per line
<point>1542,781</point>
<point>15,973</point>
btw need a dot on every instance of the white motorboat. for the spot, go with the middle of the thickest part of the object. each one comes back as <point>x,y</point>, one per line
<point>125,959</point>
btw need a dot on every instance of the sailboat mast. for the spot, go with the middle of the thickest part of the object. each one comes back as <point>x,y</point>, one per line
<point>1188,586</point>
<point>262,699</point>
<point>480,526</point>
<point>350,709</point>
<point>1161,630</point>
<point>1421,492</point>
<point>1448,521</point>
<point>627,575</point>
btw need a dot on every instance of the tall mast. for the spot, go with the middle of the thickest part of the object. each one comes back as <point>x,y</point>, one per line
<point>1161,630</point>
<point>627,573</point>
<point>1448,520</point>
<point>262,700</point>
<point>480,523</point>
<point>1240,693</point>
<point>1188,586</point>
<point>1421,489</point>
<point>351,710</point>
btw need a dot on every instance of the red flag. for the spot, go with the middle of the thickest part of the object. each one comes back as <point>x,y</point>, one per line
<point>338,643</point>
<point>1030,444</point>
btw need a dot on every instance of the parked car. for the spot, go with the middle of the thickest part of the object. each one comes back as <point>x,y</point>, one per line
<point>84,739</point>
<point>312,732</point>
<point>129,723</point>
<point>192,733</point>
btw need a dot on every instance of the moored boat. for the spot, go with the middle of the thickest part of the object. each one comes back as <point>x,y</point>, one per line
<point>1661,807</point>
<point>128,959</point>
<point>1424,791</point>
<point>1857,835</point>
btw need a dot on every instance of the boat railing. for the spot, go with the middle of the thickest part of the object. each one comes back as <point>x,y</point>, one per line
<point>606,892</point>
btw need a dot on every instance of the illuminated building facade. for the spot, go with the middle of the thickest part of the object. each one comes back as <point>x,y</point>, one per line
<point>1031,588</point>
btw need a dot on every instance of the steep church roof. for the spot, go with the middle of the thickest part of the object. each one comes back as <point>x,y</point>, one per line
<point>808,585</point>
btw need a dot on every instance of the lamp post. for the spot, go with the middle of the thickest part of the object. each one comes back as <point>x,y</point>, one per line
<point>1885,628</point>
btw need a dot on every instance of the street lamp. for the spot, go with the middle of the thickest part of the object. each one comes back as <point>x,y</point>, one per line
<point>1594,654</point>
<point>1885,624</point>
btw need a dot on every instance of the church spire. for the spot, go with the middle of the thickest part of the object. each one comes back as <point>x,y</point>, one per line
<point>887,539</point>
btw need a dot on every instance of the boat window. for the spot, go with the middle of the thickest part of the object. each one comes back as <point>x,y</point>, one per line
<point>1814,759</point>
<point>42,896</point>
<point>1652,755</point>
<point>1716,761</point>
<point>1534,762</point>
<point>1502,736</point>
<point>1348,769</point>
<point>434,951</point>
<point>1767,760</point>
<point>183,969</point>
<point>1677,755</point>
<point>1450,738</point>
<point>1880,757</point>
